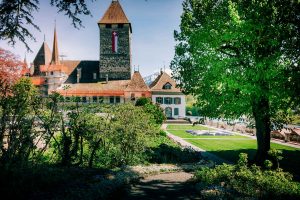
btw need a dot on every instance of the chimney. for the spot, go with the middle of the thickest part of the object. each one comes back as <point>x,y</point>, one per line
<point>106,78</point>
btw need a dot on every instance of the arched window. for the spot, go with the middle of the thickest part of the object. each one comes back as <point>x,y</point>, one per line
<point>167,86</point>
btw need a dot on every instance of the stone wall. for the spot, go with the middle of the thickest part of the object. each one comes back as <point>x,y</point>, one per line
<point>116,65</point>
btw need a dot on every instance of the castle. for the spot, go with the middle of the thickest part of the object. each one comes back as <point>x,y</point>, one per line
<point>109,79</point>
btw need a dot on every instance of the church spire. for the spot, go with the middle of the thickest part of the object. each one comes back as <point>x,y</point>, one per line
<point>25,61</point>
<point>55,55</point>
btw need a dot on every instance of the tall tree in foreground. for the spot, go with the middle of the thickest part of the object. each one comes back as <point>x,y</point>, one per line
<point>241,58</point>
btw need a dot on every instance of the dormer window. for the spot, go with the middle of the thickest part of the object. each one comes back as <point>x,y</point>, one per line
<point>167,86</point>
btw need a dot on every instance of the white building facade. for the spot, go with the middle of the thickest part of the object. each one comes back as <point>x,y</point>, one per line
<point>168,96</point>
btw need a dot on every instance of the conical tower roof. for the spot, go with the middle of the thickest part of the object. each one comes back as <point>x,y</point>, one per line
<point>55,54</point>
<point>43,57</point>
<point>137,83</point>
<point>114,14</point>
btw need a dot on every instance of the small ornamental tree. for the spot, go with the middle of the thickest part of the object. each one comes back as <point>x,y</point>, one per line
<point>10,70</point>
<point>156,112</point>
<point>241,58</point>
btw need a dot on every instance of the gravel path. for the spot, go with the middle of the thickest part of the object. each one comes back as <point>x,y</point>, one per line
<point>163,186</point>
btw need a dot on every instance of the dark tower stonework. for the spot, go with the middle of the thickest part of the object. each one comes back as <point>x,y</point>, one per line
<point>115,36</point>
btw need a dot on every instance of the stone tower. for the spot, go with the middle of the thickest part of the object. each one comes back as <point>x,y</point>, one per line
<point>115,34</point>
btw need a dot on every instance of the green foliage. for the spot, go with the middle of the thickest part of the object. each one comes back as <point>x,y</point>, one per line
<point>142,101</point>
<point>240,58</point>
<point>17,132</point>
<point>192,111</point>
<point>241,180</point>
<point>155,111</point>
<point>130,131</point>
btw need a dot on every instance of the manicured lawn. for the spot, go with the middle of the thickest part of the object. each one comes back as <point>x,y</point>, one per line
<point>229,149</point>
<point>187,127</point>
<point>184,134</point>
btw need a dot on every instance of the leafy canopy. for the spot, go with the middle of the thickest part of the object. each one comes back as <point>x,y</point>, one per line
<point>231,53</point>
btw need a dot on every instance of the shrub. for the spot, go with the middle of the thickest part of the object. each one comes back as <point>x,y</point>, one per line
<point>154,110</point>
<point>241,180</point>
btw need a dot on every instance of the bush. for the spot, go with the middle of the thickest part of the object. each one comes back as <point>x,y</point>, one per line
<point>154,110</point>
<point>192,111</point>
<point>241,180</point>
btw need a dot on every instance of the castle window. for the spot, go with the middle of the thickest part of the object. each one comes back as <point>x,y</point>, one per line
<point>168,100</point>
<point>167,86</point>
<point>101,99</point>
<point>94,76</point>
<point>132,97</point>
<point>120,25</point>
<point>111,99</point>
<point>95,99</point>
<point>176,111</point>
<point>159,100</point>
<point>108,26</point>
<point>177,100</point>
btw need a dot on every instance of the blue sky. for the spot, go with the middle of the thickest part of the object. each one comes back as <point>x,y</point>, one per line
<point>153,23</point>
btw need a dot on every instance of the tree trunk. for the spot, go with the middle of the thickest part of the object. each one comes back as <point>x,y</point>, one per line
<point>261,112</point>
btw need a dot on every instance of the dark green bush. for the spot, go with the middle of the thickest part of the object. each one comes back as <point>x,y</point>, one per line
<point>154,110</point>
<point>241,180</point>
<point>162,133</point>
<point>192,111</point>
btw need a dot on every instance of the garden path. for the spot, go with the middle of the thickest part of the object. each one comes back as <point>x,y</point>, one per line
<point>176,185</point>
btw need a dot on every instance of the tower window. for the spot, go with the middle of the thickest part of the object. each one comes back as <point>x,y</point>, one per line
<point>120,25</point>
<point>108,26</point>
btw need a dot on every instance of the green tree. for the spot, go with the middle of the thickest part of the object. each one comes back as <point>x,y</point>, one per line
<point>156,112</point>
<point>17,135</point>
<point>129,133</point>
<point>17,17</point>
<point>240,58</point>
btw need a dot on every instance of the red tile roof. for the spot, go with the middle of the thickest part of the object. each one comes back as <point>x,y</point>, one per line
<point>112,88</point>
<point>137,83</point>
<point>160,81</point>
<point>37,80</point>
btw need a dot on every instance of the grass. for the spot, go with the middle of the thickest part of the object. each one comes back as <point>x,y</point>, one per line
<point>184,134</point>
<point>188,127</point>
<point>230,149</point>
